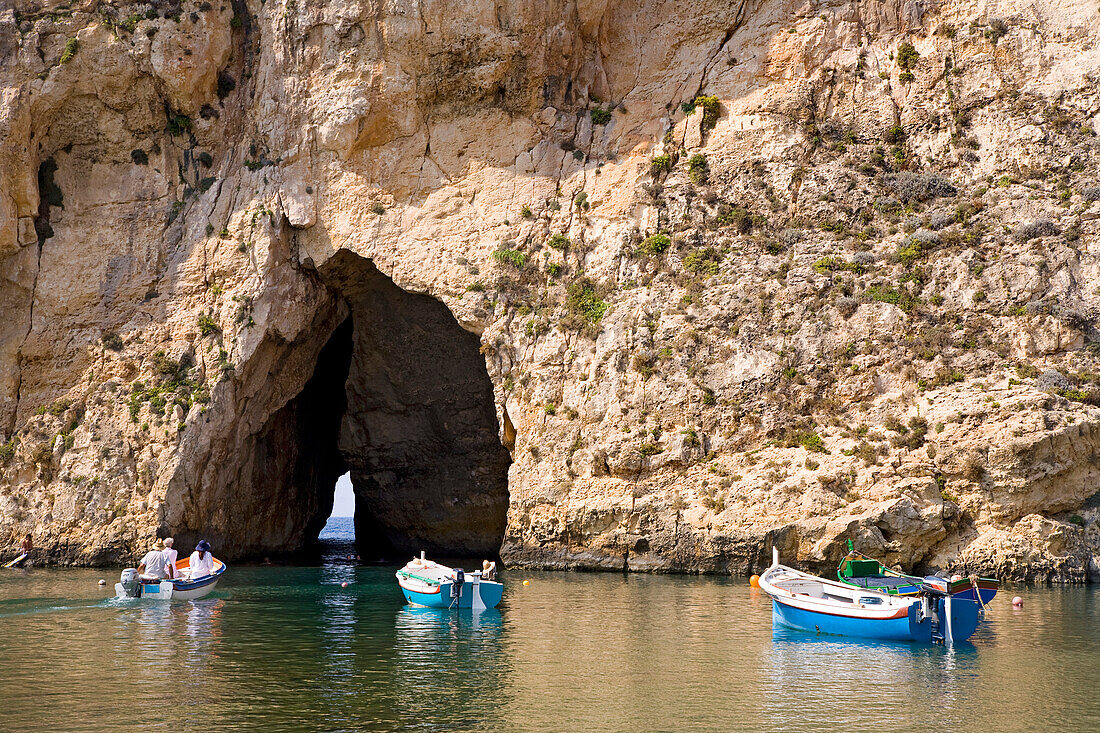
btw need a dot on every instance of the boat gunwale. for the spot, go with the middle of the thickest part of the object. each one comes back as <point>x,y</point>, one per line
<point>180,585</point>
<point>953,587</point>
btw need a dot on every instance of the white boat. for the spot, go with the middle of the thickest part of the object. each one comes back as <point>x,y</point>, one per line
<point>427,583</point>
<point>180,588</point>
<point>807,602</point>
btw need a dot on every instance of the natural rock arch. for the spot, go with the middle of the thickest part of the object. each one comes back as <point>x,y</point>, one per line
<point>400,397</point>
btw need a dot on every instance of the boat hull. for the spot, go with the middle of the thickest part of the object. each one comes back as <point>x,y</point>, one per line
<point>964,621</point>
<point>987,593</point>
<point>490,591</point>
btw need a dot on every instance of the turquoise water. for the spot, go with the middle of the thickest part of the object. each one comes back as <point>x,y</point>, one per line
<point>287,648</point>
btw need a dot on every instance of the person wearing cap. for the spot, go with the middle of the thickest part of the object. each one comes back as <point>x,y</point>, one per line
<point>170,556</point>
<point>202,562</point>
<point>152,566</point>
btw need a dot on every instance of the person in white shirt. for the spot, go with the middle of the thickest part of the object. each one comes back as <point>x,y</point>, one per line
<point>152,566</point>
<point>202,562</point>
<point>170,556</point>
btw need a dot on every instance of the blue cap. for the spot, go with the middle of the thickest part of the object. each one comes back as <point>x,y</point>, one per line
<point>203,546</point>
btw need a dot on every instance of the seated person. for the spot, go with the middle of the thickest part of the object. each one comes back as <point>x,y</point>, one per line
<point>154,566</point>
<point>202,562</point>
<point>170,555</point>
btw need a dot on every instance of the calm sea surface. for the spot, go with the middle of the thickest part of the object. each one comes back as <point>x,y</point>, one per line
<point>287,648</point>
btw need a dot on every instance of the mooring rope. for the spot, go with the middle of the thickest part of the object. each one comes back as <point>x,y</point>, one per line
<point>977,592</point>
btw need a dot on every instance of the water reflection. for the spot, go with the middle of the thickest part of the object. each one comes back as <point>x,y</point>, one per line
<point>863,677</point>
<point>450,660</point>
<point>290,648</point>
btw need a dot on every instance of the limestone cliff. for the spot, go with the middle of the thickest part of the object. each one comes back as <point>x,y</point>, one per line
<point>621,283</point>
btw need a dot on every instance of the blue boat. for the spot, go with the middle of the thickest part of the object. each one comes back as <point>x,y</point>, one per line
<point>427,583</point>
<point>814,604</point>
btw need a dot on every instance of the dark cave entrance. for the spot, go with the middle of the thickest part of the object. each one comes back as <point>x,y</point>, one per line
<point>400,398</point>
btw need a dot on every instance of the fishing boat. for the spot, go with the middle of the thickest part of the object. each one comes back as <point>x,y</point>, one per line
<point>180,588</point>
<point>427,583</point>
<point>807,602</point>
<point>856,569</point>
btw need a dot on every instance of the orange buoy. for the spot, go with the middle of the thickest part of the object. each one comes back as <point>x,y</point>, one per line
<point>754,581</point>
<point>344,584</point>
<point>527,582</point>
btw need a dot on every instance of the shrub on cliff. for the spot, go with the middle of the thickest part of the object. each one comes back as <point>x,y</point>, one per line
<point>907,60</point>
<point>1073,313</point>
<point>809,440</point>
<point>900,297</point>
<point>178,124</point>
<point>512,257</point>
<point>697,168</point>
<point>600,116</point>
<point>112,341</point>
<point>584,306</point>
<point>790,237</point>
<point>71,47</point>
<point>207,325</point>
<point>1034,229</point>
<point>1052,381</point>
<point>226,84</point>
<point>7,450</point>
<point>847,305</point>
<point>710,109</point>
<point>654,245</point>
<point>661,164</point>
<point>997,30</point>
<point>910,186</point>
<point>742,221</point>
<point>826,265</point>
<point>702,262</point>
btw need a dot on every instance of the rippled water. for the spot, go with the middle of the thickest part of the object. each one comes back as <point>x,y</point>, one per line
<point>287,648</point>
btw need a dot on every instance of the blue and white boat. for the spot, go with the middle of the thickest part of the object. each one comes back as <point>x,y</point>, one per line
<point>180,588</point>
<point>814,604</point>
<point>427,583</point>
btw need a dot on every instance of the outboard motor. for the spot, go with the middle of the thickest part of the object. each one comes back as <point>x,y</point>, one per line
<point>456,587</point>
<point>933,594</point>
<point>129,585</point>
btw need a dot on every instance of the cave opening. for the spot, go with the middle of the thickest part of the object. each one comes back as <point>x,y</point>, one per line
<point>340,524</point>
<point>401,402</point>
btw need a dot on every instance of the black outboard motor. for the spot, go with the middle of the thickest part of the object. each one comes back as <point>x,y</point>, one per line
<point>932,592</point>
<point>456,587</point>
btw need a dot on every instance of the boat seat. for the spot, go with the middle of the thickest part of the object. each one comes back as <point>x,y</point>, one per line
<point>863,568</point>
<point>842,599</point>
<point>879,581</point>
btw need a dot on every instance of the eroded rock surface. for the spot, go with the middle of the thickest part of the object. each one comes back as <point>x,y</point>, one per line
<point>729,273</point>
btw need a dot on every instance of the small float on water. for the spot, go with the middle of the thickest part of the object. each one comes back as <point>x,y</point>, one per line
<point>856,569</point>
<point>427,583</point>
<point>180,588</point>
<point>807,602</point>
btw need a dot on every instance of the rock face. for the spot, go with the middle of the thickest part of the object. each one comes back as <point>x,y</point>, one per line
<point>651,285</point>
